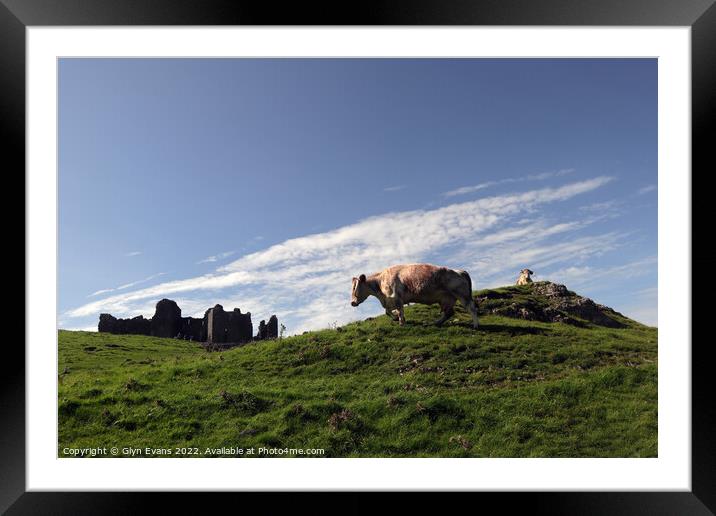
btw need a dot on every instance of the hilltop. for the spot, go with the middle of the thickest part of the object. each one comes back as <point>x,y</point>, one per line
<point>548,374</point>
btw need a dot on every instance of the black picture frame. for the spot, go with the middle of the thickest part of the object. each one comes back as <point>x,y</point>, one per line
<point>700,15</point>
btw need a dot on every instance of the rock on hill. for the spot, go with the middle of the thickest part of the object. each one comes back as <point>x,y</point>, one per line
<point>549,302</point>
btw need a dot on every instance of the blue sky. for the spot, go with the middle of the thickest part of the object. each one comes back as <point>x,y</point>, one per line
<point>266,184</point>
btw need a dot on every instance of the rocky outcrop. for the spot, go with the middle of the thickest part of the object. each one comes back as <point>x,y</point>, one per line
<point>551,290</point>
<point>565,301</point>
<point>550,302</point>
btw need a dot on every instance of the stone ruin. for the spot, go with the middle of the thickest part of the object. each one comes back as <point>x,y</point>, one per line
<point>218,328</point>
<point>226,327</point>
<point>268,331</point>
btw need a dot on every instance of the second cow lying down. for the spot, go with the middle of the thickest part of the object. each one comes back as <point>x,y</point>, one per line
<point>421,283</point>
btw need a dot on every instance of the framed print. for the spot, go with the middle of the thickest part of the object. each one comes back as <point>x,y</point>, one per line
<point>437,250</point>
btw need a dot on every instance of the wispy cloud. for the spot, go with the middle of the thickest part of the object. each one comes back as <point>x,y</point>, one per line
<point>127,285</point>
<point>601,206</point>
<point>644,306</point>
<point>134,283</point>
<point>216,257</point>
<point>646,189</point>
<point>464,190</point>
<point>395,188</point>
<point>133,253</point>
<point>306,280</point>
<point>103,291</point>
<point>593,278</point>
<point>547,175</point>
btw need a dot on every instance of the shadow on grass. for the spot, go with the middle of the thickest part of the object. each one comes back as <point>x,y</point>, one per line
<point>512,330</point>
<point>484,328</point>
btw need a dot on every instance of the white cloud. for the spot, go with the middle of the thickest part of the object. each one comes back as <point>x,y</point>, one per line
<point>470,189</point>
<point>306,280</point>
<point>646,189</point>
<point>464,190</point>
<point>133,253</point>
<point>216,257</point>
<point>395,188</point>
<point>547,175</point>
<point>103,291</point>
<point>126,285</point>
<point>133,283</point>
<point>601,206</point>
<point>595,279</point>
<point>539,253</point>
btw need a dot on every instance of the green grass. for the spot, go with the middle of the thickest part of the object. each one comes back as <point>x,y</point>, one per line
<point>513,388</point>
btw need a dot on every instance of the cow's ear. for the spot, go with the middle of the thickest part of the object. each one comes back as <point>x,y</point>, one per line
<point>361,278</point>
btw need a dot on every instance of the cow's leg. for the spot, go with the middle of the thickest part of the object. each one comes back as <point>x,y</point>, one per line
<point>469,303</point>
<point>448,311</point>
<point>391,308</point>
<point>401,313</point>
<point>391,313</point>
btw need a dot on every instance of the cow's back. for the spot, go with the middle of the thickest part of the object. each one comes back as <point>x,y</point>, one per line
<point>416,282</point>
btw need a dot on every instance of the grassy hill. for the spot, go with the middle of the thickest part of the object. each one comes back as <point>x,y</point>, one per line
<point>513,388</point>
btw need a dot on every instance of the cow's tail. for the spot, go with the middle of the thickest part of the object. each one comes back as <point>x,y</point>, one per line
<point>465,275</point>
<point>470,303</point>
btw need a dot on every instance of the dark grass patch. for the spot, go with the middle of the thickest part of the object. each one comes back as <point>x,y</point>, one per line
<point>68,407</point>
<point>132,385</point>
<point>244,402</point>
<point>91,393</point>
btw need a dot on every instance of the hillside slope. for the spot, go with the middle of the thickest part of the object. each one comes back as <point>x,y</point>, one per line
<point>517,387</point>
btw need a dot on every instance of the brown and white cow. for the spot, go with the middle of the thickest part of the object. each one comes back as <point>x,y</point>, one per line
<point>421,283</point>
<point>524,278</point>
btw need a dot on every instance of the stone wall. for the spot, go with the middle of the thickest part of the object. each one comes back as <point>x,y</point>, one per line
<point>272,328</point>
<point>136,325</point>
<point>223,327</point>
<point>216,327</point>
<point>167,319</point>
<point>268,331</point>
<point>261,335</point>
<point>192,329</point>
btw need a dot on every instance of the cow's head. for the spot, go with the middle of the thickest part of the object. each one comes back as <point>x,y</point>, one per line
<point>360,290</point>
<point>526,272</point>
